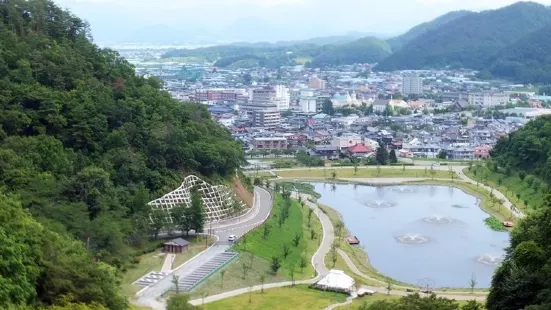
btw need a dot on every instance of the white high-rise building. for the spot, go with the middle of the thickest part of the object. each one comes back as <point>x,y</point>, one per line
<point>412,84</point>
<point>283,98</point>
<point>308,101</point>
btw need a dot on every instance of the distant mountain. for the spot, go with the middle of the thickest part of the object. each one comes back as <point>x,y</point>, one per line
<point>472,40</point>
<point>365,50</point>
<point>399,41</point>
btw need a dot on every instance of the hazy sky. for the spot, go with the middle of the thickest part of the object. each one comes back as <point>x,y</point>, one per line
<point>110,18</point>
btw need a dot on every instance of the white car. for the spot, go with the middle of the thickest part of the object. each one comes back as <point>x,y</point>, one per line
<point>232,238</point>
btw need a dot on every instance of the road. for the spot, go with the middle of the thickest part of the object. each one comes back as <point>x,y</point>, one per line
<point>318,260</point>
<point>262,207</point>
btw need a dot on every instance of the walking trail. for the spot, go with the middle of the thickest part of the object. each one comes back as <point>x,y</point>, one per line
<point>328,237</point>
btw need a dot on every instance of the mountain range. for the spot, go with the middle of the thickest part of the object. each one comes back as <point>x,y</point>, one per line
<point>507,43</point>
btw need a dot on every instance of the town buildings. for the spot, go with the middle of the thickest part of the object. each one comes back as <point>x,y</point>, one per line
<point>412,84</point>
<point>316,83</point>
<point>488,99</point>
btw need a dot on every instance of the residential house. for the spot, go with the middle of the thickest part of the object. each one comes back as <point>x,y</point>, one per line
<point>270,143</point>
<point>327,152</point>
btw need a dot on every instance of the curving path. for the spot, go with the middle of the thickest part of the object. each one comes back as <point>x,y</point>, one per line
<point>262,206</point>
<point>318,261</point>
<point>383,290</point>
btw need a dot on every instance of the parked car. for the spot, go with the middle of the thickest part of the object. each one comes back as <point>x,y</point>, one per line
<point>232,238</point>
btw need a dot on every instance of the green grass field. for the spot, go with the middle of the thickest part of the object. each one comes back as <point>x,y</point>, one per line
<point>257,252</point>
<point>272,245</point>
<point>510,186</point>
<point>366,172</point>
<point>299,297</point>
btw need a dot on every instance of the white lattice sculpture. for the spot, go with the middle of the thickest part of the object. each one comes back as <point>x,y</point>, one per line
<point>218,200</point>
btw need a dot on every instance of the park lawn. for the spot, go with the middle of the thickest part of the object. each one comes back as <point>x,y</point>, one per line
<point>510,186</point>
<point>295,224</point>
<point>299,297</point>
<point>196,246</point>
<point>367,300</point>
<point>136,307</point>
<point>367,172</point>
<point>148,262</point>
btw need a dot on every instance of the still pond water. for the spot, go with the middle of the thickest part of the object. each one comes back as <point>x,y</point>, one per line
<point>423,235</point>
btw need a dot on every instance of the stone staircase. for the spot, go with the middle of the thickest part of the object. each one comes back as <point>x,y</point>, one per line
<point>189,282</point>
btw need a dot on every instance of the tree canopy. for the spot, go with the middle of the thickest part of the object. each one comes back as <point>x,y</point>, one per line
<point>84,145</point>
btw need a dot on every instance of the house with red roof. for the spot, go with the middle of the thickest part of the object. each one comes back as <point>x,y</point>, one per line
<point>360,150</point>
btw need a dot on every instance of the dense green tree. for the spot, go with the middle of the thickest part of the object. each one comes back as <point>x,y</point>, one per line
<point>381,155</point>
<point>40,266</point>
<point>327,107</point>
<point>522,281</point>
<point>85,144</point>
<point>196,211</point>
<point>392,157</point>
<point>417,302</point>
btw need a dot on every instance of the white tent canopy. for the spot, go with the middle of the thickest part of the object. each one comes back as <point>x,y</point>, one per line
<point>336,280</point>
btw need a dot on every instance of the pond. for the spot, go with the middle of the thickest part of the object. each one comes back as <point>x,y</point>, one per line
<point>421,234</point>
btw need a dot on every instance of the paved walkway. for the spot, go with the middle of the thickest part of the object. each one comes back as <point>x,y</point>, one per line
<point>318,261</point>
<point>383,289</point>
<point>167,264</point>
<point>150,296</point>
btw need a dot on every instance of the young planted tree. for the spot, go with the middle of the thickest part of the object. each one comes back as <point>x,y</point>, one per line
<point>472,283</point>
<point>222,274</point>
<point>262,280</point>
<point>355,168</point>
<point>296,240</point>
<point>388,287</point>
<point>244,270</point>
<point>333,175</point>
<point>265,230</point>
<point>302,263</point>
<point>392,157</point>
<point>175,281</point>
<point>286,250</point>
<point>339,226</point>
<point>292,274</point>
<point>312,234</point>
<point>275,265</point>
<point>378,170</point>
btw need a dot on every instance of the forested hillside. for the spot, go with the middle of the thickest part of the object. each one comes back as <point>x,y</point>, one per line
<point>398,42</point>
<point>526,61</point>
<point>527,149</point>
<point>472,40</point>
<point>523,280</point>
<point>365,50</point>
<point>84,145</point>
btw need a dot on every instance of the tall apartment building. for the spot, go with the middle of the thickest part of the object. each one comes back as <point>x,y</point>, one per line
<point>263,108</point>
<point>308,101</point>
<point>412,84</point>
<point>488,99</point>
<point>283,97</point>
<point>316,83</point>
<point>268,118</point>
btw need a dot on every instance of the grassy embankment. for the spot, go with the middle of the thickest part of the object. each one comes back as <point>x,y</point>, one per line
<point>525,192</point>
<point>299,297</point>
<point>257,252</point>
<point>364,172</point>
<point>154,261</point>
